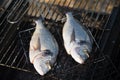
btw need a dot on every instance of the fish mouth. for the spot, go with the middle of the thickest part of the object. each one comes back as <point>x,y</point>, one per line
<point>41,66</point>
<point>86,52</point>
<point>79,55</point>
<point>83,56</point>
<point>78,58</point>
<point>42,69</point>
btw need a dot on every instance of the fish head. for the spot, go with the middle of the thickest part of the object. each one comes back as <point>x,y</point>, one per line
<point>42,62</point>
<point>80,53</point>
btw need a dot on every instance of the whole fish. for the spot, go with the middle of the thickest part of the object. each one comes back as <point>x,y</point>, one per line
<point>43,49</point>
<point>77,40</point>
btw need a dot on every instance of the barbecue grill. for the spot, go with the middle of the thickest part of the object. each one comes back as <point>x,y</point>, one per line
<point>97,16</point>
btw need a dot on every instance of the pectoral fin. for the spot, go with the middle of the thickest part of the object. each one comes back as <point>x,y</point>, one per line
<point>72,36</point>
<point>35,45</point>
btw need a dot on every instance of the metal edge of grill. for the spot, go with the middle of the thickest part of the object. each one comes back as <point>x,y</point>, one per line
<point>19,41</point>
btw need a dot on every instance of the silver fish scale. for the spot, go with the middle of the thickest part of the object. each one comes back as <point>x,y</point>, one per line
<point>47,41</point>
<point>80,33</point>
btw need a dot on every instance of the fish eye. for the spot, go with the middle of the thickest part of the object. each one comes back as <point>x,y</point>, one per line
<point>47,52</point>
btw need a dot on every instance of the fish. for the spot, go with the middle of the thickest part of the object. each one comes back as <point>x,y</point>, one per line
<point>77,40</point>
<point>43,49</point>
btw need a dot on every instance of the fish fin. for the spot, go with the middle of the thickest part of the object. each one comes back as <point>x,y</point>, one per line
<point>39,44</point>
<point>72,36</point>
<point>36,46</point>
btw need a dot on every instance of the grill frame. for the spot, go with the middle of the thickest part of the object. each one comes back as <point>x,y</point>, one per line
<point>23,27</point>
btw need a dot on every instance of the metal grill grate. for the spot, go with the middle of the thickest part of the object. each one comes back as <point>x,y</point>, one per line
<point>16,29</point>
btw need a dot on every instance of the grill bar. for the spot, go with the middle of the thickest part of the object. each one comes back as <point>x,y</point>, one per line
<point>19,13</point>
<point>4,5</point>
<point>8,11</point>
